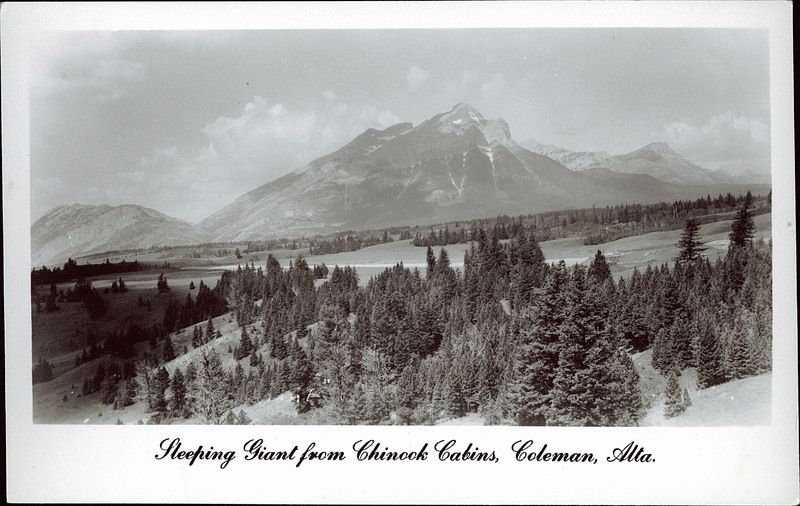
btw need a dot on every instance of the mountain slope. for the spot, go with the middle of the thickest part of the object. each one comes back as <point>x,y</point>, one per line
<point>71,231</point>
<point>661,162</point>
<point>456,165</point>
<point>657,160</point>
<point>575,160</point>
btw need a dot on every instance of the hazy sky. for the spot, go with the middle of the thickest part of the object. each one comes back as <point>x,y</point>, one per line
<point>185,122</point>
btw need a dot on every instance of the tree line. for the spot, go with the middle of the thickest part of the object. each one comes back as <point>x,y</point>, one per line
<point>72,271</point>
<point>598,225</point>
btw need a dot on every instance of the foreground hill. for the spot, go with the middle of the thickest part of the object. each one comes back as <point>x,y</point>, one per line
<point>455,166</point>
<point>742,402</point>
<point>71,231</point>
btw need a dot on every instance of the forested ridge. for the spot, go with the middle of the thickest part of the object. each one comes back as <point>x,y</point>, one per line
<point>598,225</point>
<point>511,337</point>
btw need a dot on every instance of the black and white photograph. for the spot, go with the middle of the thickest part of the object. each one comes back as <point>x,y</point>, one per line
<point>446,231</point>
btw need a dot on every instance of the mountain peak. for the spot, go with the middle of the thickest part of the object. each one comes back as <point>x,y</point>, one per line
<point>461,114</point>
<point>463,107</point>
<point>658,147</point>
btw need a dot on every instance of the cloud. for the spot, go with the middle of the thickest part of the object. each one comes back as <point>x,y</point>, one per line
<point>494,87</point>
<point>727,141</point>
<point>240,153</point>
<point>329,94</point>
<point>416,77</point>
<point>159,155</point>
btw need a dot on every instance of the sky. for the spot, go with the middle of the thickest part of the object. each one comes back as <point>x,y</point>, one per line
<point>184,122</point>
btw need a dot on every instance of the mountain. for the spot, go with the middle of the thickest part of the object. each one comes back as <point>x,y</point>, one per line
<point>457,165</point>
<point>575,160</point>
<point>657,160</point>
<point>72,231</point>
<point>661,162</point>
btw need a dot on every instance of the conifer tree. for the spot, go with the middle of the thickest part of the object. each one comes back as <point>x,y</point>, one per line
<point>741,366</point>
<point>197,339</point>
<point>169,351</point>
<point>536,362</point>
<point>743,228</point>
<point>430,260</point>
<point>595,384</point>
<point>162,284</point>
<point>690,245</point>
<point>599,271</point>
<point>160,385</point>
<point>212,397</point>
<point>709,361</point>
<point>673,404</point>
<point>245,345</point>
<point>242,418</point>
<point>211,332</point>
<point>278,346</point>
<point>178,393</point>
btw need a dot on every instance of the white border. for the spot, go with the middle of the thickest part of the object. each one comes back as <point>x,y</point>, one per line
<point>754,465</point>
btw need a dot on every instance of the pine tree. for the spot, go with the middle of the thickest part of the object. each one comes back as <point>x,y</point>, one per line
<point>162,284</point>
<point>212,397</point>
<point>709,361</point>
<point>197,338</point>
<point>673,404</point>
<point>690,245</point>
<point>595,383</point>
<point>178,393</point>
<point>536,362</point>
<point>211,332</point>
<point>245,345</point>
<point>169,351</point>
<point>242,418</point>
<point>42,371</point>
<point>430,260</point>
<point>160,385</point>
<point>599,271</point>
<point>278,346</point>
<point>740,360</point>
<point>743,228</point>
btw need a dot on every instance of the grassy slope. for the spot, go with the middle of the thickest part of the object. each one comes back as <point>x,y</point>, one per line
<point>741,402</point>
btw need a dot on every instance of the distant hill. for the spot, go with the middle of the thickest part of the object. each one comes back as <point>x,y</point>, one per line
<point>71,231</point>
<point>657,160</point>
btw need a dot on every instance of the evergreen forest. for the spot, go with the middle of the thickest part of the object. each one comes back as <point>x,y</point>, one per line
<point>512,338</point>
